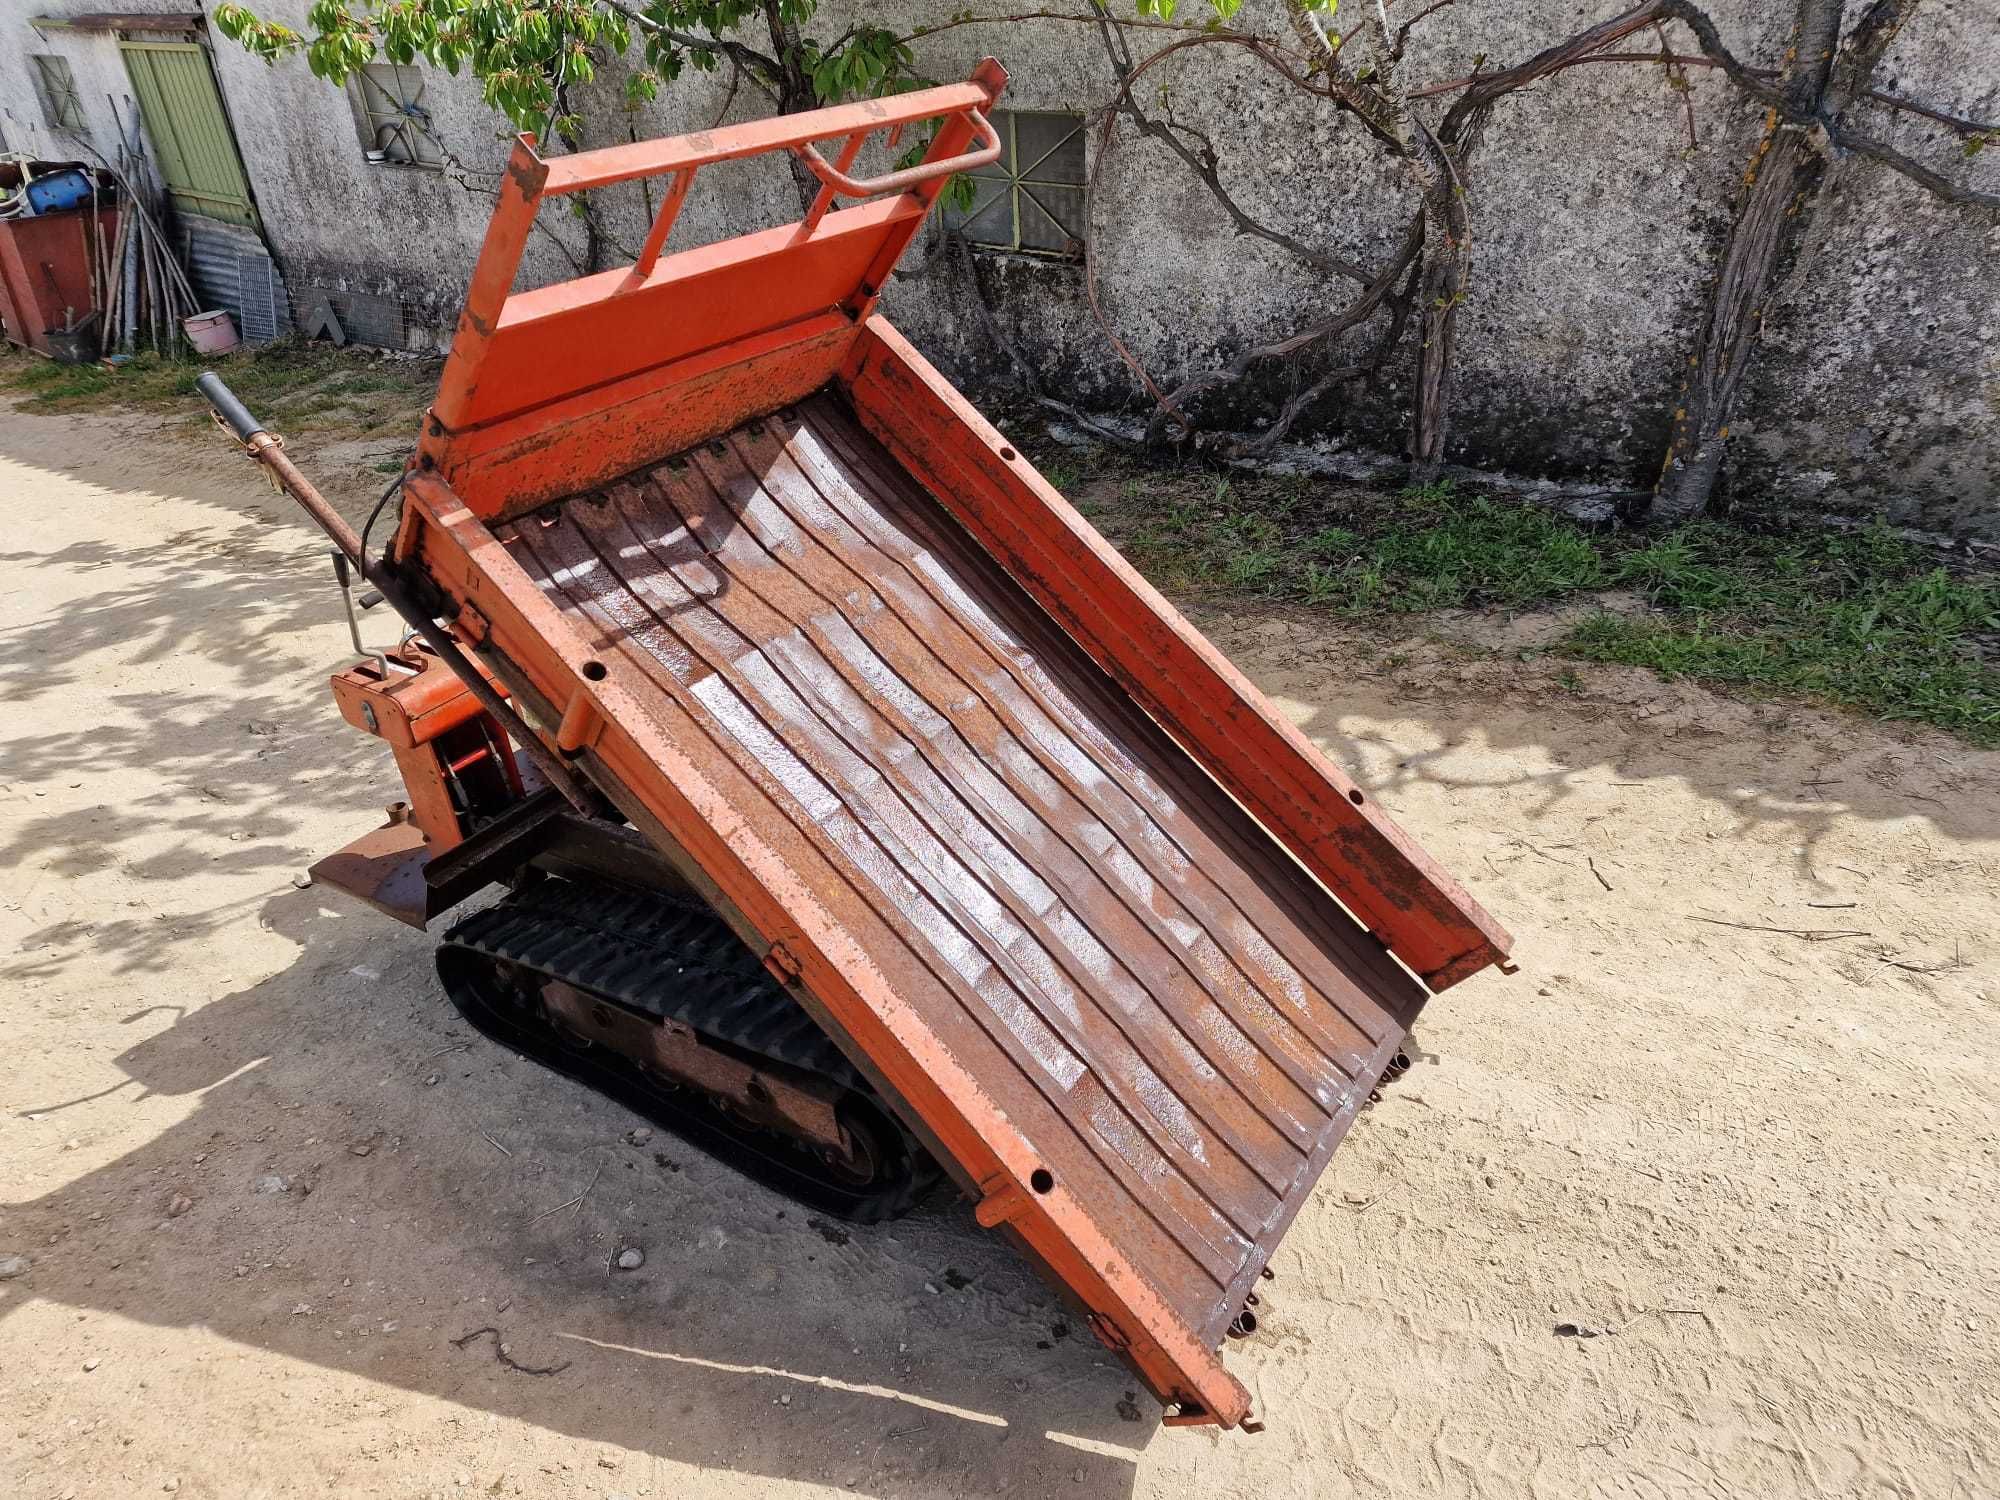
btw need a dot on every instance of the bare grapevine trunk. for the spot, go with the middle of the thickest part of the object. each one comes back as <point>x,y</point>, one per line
<point>1447,273</point>
<point>1433,169</point>
<point>1784,170</point>
<point>1441,164</point>
<point>1786,174</point>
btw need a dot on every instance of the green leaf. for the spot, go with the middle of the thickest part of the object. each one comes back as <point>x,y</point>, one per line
<point>516,49</point>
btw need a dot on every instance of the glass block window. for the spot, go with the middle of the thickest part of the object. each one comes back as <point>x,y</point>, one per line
<point>1031,199</point>
<point>390,109</point>
<point>60,105</point>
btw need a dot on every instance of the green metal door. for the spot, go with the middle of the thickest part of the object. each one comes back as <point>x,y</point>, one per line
<point>183,112</point>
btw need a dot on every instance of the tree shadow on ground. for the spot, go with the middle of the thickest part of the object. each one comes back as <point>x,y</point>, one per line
<point>1774,768</point>
<point>921,1354</point>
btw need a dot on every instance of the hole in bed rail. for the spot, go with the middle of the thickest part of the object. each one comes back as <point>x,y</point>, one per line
<point>1008,454</point>
<point>1355,796</point>
<point>1042,1180</point>
<point>595,671</point>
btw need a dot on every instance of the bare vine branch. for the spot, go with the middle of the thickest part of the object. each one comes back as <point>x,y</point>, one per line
<point>1140,23</point>
<point>1378,294</point>
<point>1435,259</point>
<point>1677,80</point>
<point>1204,164</point>
<point>1958,124</point>
<point>1463,118</point>
<point>741,52</point>
<point>1916,171</point>
<point>1403,31</point>
<point>1399,315</point>
<point>1351,316</point>
<point>1123,104</point>
<point>1849,71</point>
<point>721,113</point>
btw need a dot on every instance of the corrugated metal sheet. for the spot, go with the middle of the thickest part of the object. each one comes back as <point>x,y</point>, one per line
<point>231,269</point>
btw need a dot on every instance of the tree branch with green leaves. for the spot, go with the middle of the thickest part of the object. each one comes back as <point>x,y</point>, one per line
<point>524,52</point>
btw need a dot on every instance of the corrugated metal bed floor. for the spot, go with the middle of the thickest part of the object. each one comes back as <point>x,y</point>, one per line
<point>1166,1004</point>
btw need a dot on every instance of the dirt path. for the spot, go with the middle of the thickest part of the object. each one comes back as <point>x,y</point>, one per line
<point>265,1180</point>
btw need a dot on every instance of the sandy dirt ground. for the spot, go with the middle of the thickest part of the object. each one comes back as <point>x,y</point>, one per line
<point>1685,1208</point>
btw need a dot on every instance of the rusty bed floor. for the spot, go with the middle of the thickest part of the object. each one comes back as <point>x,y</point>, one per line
<point>1179,1018</point>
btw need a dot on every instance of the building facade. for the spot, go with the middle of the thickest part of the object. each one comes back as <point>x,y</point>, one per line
<point>1600,201</point>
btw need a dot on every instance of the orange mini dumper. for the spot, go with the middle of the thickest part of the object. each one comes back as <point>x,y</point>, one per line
<point>864,815</point>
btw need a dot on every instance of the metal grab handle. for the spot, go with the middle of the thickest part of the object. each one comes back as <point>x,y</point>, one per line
<point>909,177</point>
<point>227,407</point>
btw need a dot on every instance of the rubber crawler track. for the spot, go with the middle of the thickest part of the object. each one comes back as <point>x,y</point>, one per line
<point>668,958</point>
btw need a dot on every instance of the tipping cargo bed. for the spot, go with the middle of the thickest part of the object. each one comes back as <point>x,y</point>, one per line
<point>1087,912</point>
<point>1145,985</point>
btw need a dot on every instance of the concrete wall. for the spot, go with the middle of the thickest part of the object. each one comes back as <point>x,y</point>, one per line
<point>1596,229</point>
<point>335,220</point>
<point>99,73</point>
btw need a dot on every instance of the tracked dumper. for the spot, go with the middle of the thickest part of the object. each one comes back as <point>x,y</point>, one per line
<point>861,814</point>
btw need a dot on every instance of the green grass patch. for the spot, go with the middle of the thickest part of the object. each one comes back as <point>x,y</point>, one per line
<point>286,384</point>
<point>1364,552</point>
<point>1860,618</point>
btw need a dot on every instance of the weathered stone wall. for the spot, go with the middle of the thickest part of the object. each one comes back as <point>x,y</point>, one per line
<point>1596,229</point>
<point>96,69</point>
<point>1880,382</point>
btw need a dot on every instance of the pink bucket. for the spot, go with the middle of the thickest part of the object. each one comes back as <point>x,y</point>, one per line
<point>211,332</point>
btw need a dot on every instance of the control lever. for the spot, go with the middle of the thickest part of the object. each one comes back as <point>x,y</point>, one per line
<point>343,575</point>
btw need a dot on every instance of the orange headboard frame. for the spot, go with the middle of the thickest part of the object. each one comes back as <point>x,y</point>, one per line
<point>547,390</point>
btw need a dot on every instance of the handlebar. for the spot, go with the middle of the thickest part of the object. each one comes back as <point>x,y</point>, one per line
<point>605,165</point>
<point>909,177</point>
<point>266,449</point>
<point>232,411</point>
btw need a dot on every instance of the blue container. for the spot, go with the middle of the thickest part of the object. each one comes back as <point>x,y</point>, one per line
<point>62,190</point>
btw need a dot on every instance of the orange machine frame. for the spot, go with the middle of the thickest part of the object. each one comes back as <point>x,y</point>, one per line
<point>456,763</point>
<point>548,392</point>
